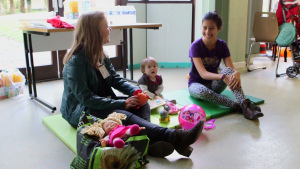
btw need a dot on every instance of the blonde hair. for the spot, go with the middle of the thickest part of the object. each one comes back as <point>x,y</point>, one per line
<point>146,61</point>
<point>88,37</point>
<point>96,129</point>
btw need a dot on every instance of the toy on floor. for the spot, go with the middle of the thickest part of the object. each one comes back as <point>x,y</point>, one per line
<point>173,109</point>
<point>164,114</point>
<point>190,115</point>
<point>142,96</point>
<point>111,131</point>
<point>209,124</point>
<point>156,101</point>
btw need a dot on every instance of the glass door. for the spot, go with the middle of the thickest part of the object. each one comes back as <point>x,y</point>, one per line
<point>12,53</point>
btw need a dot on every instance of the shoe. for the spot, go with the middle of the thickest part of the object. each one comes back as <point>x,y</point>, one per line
<point>238,108</point>
<point>250,111</point>
<point>160,149</point>
<point>256,107</point>
<point>182,139</point>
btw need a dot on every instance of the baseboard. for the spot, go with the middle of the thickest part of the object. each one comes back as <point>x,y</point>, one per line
<point>235,64</point>
<point>167,65</point>
<point>186,65</point>
<point>252,58</point>
<point>135,66</point>
<point>239,64</point>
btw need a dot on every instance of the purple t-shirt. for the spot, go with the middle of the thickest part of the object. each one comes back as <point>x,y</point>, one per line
<point>211,59</point>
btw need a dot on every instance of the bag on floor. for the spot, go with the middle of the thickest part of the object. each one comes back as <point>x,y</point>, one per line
<point>91,155</point>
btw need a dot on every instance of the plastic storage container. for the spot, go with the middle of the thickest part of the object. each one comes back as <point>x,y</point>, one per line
<point>66,9</point>
<point>84,6</point>
<point>132,14</point>
<point>14,83</point>
<point>110,15</point>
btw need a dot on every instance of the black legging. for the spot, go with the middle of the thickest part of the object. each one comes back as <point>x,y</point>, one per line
<point>140,117</point>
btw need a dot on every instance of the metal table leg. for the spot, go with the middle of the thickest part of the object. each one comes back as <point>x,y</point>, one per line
<point>32,81</point>
<point>125,55</point>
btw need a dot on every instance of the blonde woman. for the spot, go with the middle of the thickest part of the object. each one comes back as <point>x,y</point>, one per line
<point>88,80</point>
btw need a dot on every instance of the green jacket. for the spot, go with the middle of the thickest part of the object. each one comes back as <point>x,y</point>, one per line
<point>81,84</point>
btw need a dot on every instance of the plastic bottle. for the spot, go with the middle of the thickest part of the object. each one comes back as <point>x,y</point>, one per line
<point>8,78</point>
<point>2,74</point>
<point>73,9</point>
<point>66,9</point>
<point>2,89</point>
<point>8,83</point>
<point>17,76</point>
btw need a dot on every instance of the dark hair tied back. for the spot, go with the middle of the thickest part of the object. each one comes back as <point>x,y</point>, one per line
<point>215,17</point>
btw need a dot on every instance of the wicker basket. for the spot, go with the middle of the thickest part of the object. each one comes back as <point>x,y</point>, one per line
<point>26,23</point>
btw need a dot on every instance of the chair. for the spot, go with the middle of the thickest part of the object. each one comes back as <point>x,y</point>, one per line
<point>265,29</point>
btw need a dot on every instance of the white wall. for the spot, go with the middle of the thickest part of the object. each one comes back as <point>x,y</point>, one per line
<point>139,35</point>
<point>237,30</point>
<point>172,41</point>
<point>202,7</point>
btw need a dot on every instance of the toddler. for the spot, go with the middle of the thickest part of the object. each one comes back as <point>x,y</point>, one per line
<point>150,82</point>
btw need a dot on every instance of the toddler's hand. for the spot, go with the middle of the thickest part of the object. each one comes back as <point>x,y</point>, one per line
<point>104,142</point>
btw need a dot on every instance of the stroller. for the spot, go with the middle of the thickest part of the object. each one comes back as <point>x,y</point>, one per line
<point>288,15</point>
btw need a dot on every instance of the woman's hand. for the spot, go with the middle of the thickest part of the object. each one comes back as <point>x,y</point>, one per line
<point>132,101</point>
<point>235,81</point>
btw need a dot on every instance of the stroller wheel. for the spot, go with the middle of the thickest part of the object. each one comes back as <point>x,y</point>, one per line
<point>292,71</point>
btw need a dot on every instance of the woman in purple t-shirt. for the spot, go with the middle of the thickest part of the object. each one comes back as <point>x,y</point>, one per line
<point>205,82</point>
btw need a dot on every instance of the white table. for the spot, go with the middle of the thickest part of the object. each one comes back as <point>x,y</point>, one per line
<point>40,39</point>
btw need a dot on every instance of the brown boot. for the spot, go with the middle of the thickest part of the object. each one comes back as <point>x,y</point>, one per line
<point>182,139</point>
<point>160,149</point>
<point>238,108</point>
<point>256,107</point>
<point>250,111</point>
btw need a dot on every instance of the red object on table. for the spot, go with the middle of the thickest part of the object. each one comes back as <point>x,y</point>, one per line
<point>57,23</point>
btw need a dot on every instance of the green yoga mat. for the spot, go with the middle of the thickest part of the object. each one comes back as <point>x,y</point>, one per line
<point>64,131</point>
<point>173,123</point>
<point>212,110</point>
<point>67,134</point>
